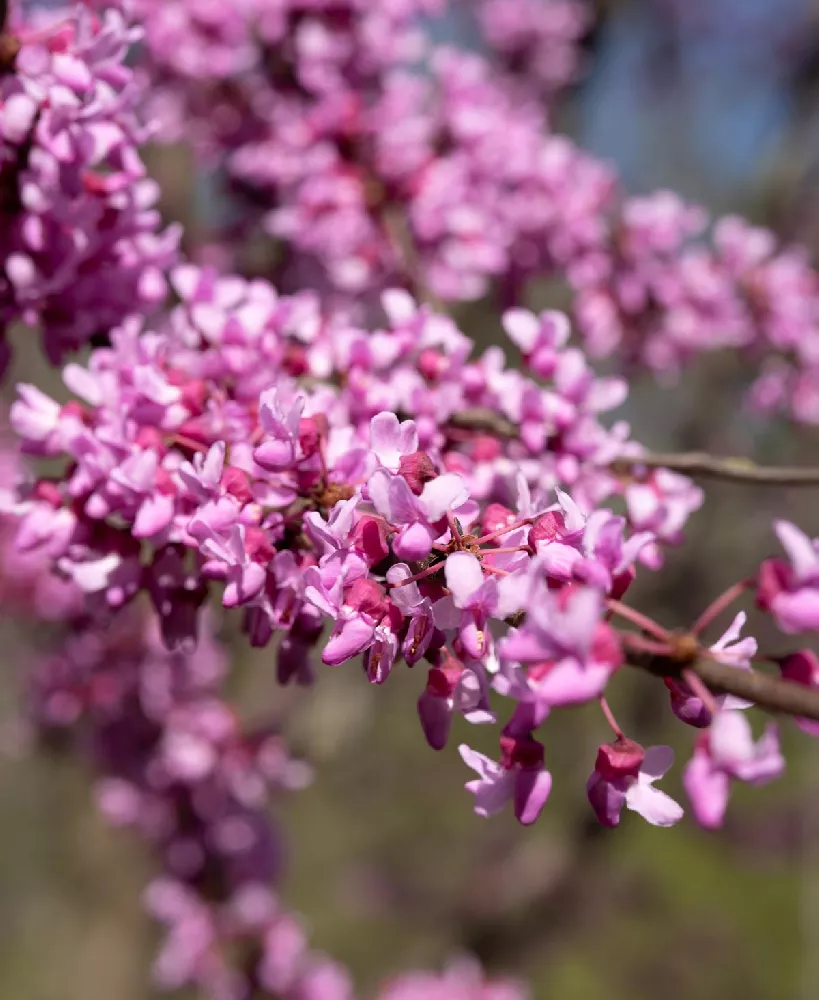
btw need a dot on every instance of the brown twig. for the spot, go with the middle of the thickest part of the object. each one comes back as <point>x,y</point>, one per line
<point>772,694</point>
<point>696,464</point>
<point>739,470</point>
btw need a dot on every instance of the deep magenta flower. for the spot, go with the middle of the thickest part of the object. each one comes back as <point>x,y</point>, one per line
<point>520,777</point>
<point>624,776</point>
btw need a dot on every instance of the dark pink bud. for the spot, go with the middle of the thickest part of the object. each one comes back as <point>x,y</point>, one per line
<point>621,582</point>
<point>195,396</point>
<point>548,527</point>
<point>521,751</point>
<point>606,646</point>
<point>257,546</point>
<point>434,709</point>
<point>151,439</point>
<point>369,598</point>
<point>311,431</point>
<point>236,483</point>
<point>165,483</point>
<point>295,360</point>
<point>773,577</point>
<point>686,706</point>
<point>496,517</point>
<point>432,364</point>
<point>442,681</point>
<point>48,492</point>
<point>417,469</point>
<point>538,671</point>
<point>619,759</point>
<point>94,182</point>
<point>73,408</point>
<point>370,539</point>
<point>801,667</point>
<point>485,449</point>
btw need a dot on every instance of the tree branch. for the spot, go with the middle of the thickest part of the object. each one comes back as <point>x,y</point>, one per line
<point>769,693</point>
<point>739,470</point>
<point>696,464</point>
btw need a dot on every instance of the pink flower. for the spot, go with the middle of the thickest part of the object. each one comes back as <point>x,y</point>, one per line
<point>728,751</point>
<point>478,597</point>
<point>624,775</point>
<point>802,667</point>
<point>791,592</point>
<point>280,417</point>
<point>453,687</point>
<point>416,517</point>
<point>390,441</point>
<point>729,649</point>
<point>520,778</point>
<point>573,651</point>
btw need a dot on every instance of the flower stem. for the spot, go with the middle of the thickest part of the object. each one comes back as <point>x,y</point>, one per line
<point>639,619</point>
<point>717,606</point>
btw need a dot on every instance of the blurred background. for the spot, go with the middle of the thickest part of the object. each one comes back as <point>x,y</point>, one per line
<point>718,99</point>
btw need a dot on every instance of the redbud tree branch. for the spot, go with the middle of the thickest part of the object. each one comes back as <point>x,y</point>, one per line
<point>772,694</point>
<point>696,464</point>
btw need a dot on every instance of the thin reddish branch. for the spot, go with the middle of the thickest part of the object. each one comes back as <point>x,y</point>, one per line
<point>767,692</point>
<point>699,465</point>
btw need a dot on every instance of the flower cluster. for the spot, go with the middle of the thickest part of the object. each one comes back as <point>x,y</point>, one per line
<point>536,42</point>
<point>336,462</point>
<point>81,238</point>
<point>328,135</point>
<point>249,444</point>
<point>658,298</point>
<point>174,763</point>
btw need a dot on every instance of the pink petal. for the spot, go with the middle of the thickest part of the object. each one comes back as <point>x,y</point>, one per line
<point>532,789</point>
<point>800,549</point>
<point>447,492</point>
<point>707,788</point>
<point>413,542</point>
<point>353,638</point>
<point>656,761</point>
<point>463,576</point>
<point>653,805</point>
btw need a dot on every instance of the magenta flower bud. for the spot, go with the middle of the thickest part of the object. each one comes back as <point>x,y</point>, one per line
<point>432,364</point>
<point>621,582</point>
<point>521,751</point>
<point>195,395</point>
<point>258,547</point>
<point>73,408</point>
<point>311,431</point>
<point>369,598</point>
<point>687,706</point>
<point>548,527</point>
<point>417,469</point>
<point>151,439</point>
<point>496,517</point>
<point>606,646</point>
<point>295,360</point>
<point>485,449</point>
<point>619,759</point>
<point>49,492</point>
<point>435,705</point>
<point>236,483</point>
<point>772,580</point>
<point>369,538</point>
<point>802,668</point>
